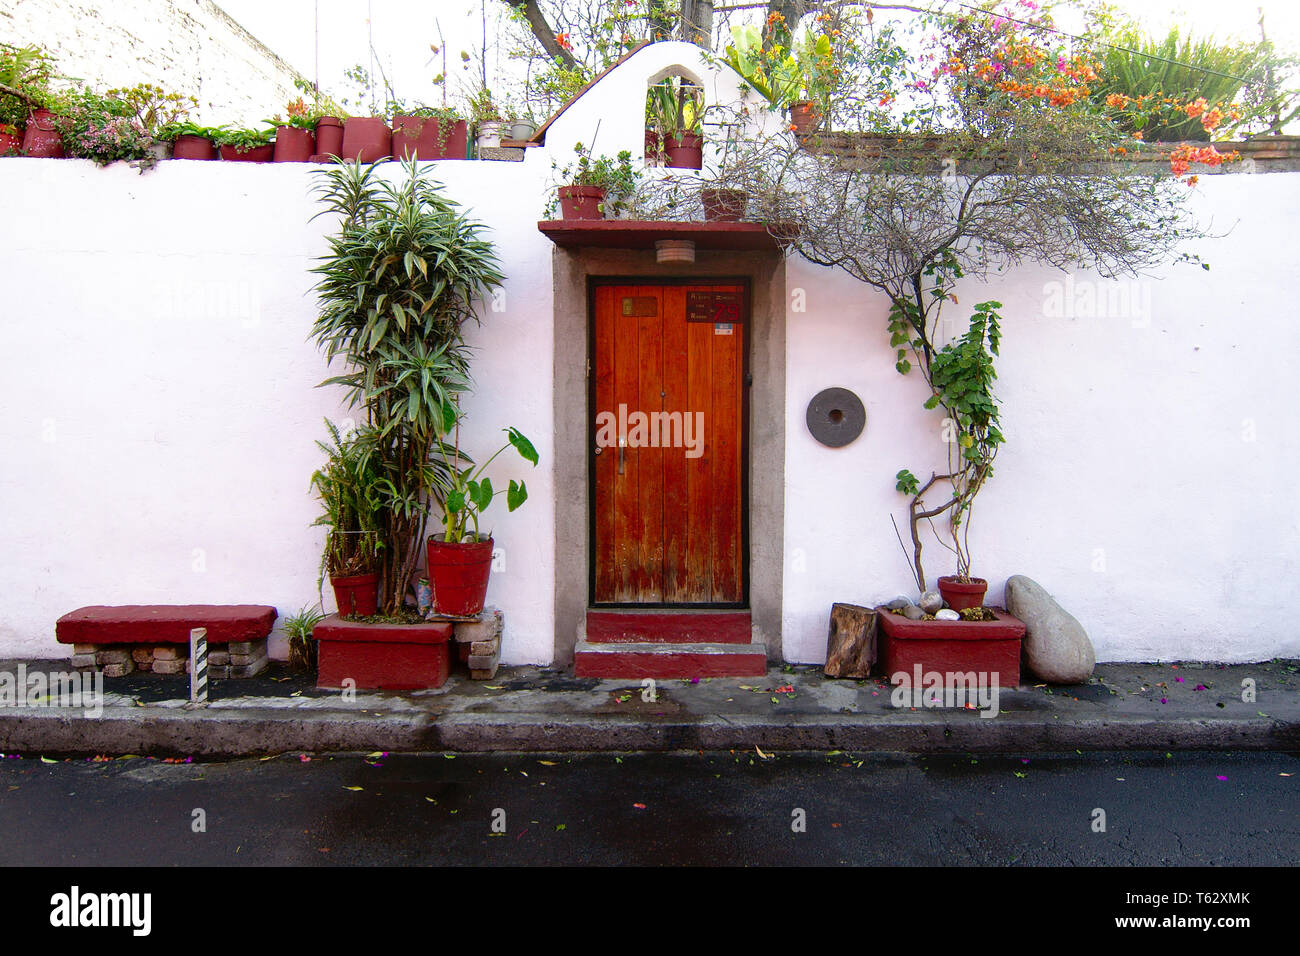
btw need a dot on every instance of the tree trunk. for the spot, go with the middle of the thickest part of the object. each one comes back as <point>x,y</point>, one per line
<point>543,31</point>
<point>851,641</point>
<point>697,22</point>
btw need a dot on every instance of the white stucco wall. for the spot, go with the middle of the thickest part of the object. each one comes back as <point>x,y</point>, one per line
<point>185,46</point>
<point>1146,479</point>
<point>161,411</point>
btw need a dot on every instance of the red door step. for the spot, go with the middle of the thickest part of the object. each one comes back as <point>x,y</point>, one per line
<point>665,661</point>
<point>686,626</point>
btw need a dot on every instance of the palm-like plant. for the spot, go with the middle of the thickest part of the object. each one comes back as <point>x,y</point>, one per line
<point>402,276</point>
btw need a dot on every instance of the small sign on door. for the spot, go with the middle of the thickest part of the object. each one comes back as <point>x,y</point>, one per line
<point>721,328</point>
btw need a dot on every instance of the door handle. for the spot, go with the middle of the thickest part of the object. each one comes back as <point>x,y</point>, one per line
<point>622,454</point>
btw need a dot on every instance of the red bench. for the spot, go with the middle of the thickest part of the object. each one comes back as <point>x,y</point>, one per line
<point>156,637</point>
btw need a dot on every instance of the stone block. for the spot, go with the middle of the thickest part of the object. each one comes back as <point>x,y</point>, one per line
<point>169,667</point>
<point>243,660</point>
<point>119,670</point>
<point>218,658</point>
<point>113,655</point>
<point>482,661</point>
<point>83,661</point>
<point>485,647</point>
<point>486,629</point>
<point>218,673</point>
<point>246,670</point>
<point>141,654</point>
<point>170,652</point>
<point>84,648</point>
<point>483,673</point>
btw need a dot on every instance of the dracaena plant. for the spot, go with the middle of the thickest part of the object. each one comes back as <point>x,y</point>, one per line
<point>405,270</point>
<point>469,490</point>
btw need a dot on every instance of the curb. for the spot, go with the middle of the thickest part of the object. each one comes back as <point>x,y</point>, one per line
<point>249,732</point>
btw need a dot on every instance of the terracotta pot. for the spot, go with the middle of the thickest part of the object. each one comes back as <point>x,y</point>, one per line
<point>961,595</point>
<point>458,574</point>
<point>804,117</point>
<point>357,595</point>
<point>581,202</point>
<point>193,147</point>
<point>42,138</point>
<point>723,205</point>
<point>11,144</point>
<point>367,139</point>
<point>684,150</point>
<point>257,154</point>
<point>329,136</point>
<point>293,145</point>
<point>429,137</point>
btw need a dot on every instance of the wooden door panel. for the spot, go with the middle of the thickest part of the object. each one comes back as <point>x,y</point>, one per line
<point>668,525</point>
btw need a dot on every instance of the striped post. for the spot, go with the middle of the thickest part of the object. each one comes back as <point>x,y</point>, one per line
<point>199,665</point>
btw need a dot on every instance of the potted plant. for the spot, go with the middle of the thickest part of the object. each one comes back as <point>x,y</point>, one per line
<point>329,137</point>
<point>246,145</point>
<point>487,120</point>
<point>430,133</point>
<point>522,128</point>
<point>595,187</point>
<point>190,140</point>
<point>348,487</point>
<point>366,139</point>
<point>157,112</point>
<point>102,128</point>
<point>24,89</point>
<point>677,109</point>
<point>460,560</point>
<point>302,648</point>
<point>398,331</point>
<point>295,135</point>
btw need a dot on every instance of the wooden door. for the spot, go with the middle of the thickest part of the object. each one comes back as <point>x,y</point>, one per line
<point>667,433</point>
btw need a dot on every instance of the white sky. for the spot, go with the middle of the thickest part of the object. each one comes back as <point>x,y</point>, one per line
<point>336,34</point>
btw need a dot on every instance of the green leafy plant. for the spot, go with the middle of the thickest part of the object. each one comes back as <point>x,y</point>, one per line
<point>244,139</point>
<point>103,128</point>
<point>470,492</point>
<point>617,176</point>
<point>25,74</point>
<point>299,629</point>
<point>404,271</point>
<point>348,487</point>
<point>153,107</point>
<point>171,131</point>
<point>675,106</point>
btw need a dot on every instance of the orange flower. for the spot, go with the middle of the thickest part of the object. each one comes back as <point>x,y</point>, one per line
<point>563,40</point>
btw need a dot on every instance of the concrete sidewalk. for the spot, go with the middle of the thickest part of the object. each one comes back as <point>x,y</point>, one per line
<point>1161,707</point>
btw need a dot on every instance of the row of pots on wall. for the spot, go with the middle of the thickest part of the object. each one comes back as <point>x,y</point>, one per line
<point>365,138</point>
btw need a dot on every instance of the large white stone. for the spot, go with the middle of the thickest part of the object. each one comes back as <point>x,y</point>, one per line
<point>1056,647</point>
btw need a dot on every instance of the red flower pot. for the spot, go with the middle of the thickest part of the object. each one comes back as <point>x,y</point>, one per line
<point>429,137</point>
<point>193,147</point>
<point>581,202</point>
<point>42,138</point>
<point>961,595</point>
<point>11,143</point>
<point>357,595</point>
<point>723,205</point>
<point>258,154</point>
<point>366,138</point>
<point>293,145</point>
<point>329,136</point>
<point>458,574</point>
<point>684,150</point>
<point>804,117</point>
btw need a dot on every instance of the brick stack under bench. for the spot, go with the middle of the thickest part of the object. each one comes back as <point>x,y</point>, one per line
<point>155,638</point>
<point>478,643</point>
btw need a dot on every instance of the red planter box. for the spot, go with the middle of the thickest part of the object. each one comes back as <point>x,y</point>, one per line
<point>987,647</point>
<point>382,656</point>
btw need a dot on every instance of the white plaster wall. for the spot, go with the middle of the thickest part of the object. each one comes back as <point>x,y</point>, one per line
<point>1129,486</point>
<point>160,400</point>
<point>185,46</point>
<point>160,411</point>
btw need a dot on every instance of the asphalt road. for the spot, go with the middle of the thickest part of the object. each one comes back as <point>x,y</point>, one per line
<point>655,809</point>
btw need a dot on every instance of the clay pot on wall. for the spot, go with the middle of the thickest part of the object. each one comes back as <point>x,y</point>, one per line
<point>193,147</point>
<point>429,137</point>
<point>255,154</point>
<point>581,202</point>
<point>684,150</point>
<point>293,145</point>
<point>329,138</point>
<point>42,137</point>
<point>367,139</point>
<point>804,118</point>
<point>723,205</point>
